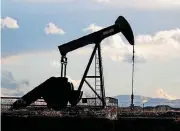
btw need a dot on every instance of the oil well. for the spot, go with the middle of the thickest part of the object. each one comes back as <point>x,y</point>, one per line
<point>56,105</point>
<point>59,94</point>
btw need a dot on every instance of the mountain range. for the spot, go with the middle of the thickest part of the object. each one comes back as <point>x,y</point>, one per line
<point>125,100</point>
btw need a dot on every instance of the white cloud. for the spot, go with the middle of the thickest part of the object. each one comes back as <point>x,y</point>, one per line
<point>138,4</point>
<point>5,92</point>
<point>11,59</point>
<point>51,28</point>
<point>163,45</point>
<point>55,63</point>
<point>87,92</point>
<point>44,1</point>
<point>162,94</point>
<point>93,27</point>
<point>141,4</point>
<point>16,92</point>
<point>75,82</point>
<point>9,22</point>
<point>104,1</point>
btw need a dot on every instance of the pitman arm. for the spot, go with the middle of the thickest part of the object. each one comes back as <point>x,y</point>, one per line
<point>121,25</point>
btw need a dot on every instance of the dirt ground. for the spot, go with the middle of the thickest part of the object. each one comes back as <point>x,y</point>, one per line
<point>26,123</point>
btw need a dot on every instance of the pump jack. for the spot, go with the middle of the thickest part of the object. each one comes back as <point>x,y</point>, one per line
<point>57,91</point>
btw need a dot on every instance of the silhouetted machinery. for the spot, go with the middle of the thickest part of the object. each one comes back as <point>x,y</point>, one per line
<point>57,91</point>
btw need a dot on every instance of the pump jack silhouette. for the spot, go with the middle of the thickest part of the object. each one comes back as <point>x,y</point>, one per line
<point>57,91</point>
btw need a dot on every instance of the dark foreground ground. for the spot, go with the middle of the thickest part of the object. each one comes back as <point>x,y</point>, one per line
<point>15,123</point>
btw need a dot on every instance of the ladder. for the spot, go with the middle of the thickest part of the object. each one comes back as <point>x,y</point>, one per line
<point>97,79</point>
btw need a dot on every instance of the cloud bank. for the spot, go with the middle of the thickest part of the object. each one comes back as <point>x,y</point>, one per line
<point>163,45</point>
<point>9,22</point>
<point>12,87</point>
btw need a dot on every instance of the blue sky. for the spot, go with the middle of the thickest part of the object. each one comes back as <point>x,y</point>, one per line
<point>29,54</point>
<point>32,17</point>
